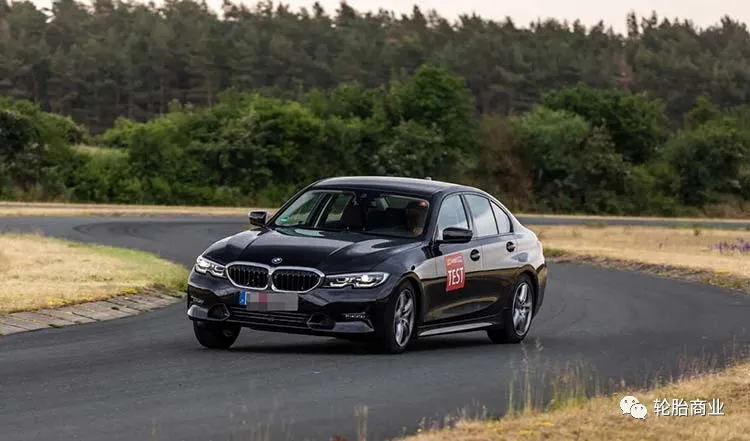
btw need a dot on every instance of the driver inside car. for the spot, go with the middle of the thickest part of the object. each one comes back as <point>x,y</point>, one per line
<point>416,214</point>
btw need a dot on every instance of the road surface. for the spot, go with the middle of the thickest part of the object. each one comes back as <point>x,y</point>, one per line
<point>145,377</point>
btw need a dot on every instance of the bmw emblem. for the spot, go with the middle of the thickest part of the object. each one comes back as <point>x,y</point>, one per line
<point>276,260</point>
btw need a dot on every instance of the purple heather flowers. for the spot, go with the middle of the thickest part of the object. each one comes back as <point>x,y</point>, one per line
<point>741,245</point>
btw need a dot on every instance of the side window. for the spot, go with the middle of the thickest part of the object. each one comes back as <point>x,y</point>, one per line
<point>503,222</point>
<point>481,212</point>
<point>451,214</point>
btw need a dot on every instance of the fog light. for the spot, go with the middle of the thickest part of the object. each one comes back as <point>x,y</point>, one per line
<point>218,312</point>
<point>355,316</point>
<point>321,321</point>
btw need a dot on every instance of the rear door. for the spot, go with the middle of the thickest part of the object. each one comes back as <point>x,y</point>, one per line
<point>492,228</point>
<point>451,294</point>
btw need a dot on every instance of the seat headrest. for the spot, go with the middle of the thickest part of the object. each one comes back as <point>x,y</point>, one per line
<point>352,216</point>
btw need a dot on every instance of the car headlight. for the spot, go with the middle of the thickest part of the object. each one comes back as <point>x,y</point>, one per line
<point>205,266</point>
<point>356,280</point>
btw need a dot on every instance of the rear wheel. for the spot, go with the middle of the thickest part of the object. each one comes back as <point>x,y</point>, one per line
<point>516,319</point>
<point>399,319</point>
<point>215,335</point>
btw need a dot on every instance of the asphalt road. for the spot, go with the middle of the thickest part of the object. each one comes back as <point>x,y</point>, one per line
<point>145,377</point>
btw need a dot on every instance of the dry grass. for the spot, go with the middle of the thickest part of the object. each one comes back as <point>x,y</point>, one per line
<point>64,209</point>
<point>594,218</point>
<point>601,418</point>
<point>40,272</point>
<point>574,418</point>
<point>689,248</point>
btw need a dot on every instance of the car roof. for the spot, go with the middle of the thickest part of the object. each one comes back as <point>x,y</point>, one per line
<point>388,183</point>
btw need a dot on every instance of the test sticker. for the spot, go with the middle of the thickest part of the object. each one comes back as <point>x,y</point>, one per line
<point>454,272</point>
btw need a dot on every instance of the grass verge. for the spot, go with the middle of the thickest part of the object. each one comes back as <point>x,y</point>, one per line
<point>595,218</point>
<point>712,256</point>
<point>65,209</point>
<point>600,418</point>
<point>41,272</point>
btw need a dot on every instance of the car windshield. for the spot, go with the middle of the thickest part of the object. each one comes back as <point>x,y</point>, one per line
<point>363,211</point>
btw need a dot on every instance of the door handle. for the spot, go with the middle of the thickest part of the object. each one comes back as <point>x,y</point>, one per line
<point>510,246</point>
<point>474,255</point>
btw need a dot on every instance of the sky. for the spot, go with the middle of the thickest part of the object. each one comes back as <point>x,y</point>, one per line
<point>702,12</point>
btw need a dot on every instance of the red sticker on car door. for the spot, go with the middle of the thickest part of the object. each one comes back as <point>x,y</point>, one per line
<point>454,272</point>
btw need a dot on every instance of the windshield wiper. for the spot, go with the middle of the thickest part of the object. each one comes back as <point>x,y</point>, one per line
<point>395,236</point>
<point>308,227</point>
<point>289,226</point>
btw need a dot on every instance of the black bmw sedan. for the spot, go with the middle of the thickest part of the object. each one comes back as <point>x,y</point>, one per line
<point>379,259</point>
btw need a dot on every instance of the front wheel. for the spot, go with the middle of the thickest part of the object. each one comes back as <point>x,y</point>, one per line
<point>398,326</point>
<point>214,335</point>
<point>517,318</point>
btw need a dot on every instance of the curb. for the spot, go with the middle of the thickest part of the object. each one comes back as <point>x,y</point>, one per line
<point>120,306</point>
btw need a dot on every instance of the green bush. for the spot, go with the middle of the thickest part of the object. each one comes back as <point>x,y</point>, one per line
<point>52,128</point>
<point>119,135</point>
<point>575,166</point>
<point>634,121</point>
<point>20,150</point>
<point>31,167</point>
<point>104,179</point>
<point>503,166</point>
<point>64,127</point>
<point>265,148</point>
<point>585,150</point>
<point>709,161</point>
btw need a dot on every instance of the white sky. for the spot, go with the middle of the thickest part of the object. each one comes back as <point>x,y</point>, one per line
<point>701,12</point>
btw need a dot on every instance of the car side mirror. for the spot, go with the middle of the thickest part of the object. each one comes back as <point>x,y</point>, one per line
<point>257,218</point>
<point>456,235</point>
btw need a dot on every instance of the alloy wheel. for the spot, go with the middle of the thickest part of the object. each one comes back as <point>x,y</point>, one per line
<point>403,320</point>
<point>522,305</point>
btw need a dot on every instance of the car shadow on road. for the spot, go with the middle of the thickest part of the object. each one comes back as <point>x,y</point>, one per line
<point>344,347</point>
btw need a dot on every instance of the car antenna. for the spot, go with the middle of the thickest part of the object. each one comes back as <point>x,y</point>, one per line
<point>428,178</point>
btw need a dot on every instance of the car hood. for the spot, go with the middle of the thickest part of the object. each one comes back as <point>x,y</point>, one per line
<point>324,250</point>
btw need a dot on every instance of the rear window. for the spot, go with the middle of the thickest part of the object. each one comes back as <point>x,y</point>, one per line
<point>481,213</point>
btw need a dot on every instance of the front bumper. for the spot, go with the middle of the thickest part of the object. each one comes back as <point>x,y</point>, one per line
<point>328,312</point>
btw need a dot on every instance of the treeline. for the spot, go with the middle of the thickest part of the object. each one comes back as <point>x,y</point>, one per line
<point>98,61</point>
<point>581,149</point>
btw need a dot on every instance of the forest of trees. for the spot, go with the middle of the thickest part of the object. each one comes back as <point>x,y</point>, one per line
<point>192,107</point>
<point>100,60</point>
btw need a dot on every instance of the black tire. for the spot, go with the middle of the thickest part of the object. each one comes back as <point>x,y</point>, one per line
<point>509,332</point>
<point>214,335</point>
<point>388,339</point>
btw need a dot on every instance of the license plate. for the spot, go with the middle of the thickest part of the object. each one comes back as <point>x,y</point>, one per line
<point>269,301</point>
